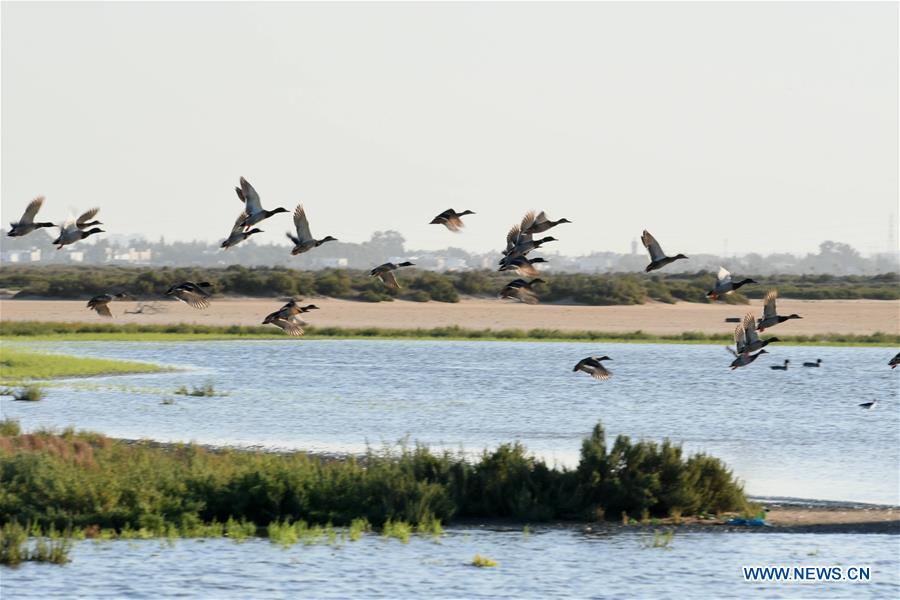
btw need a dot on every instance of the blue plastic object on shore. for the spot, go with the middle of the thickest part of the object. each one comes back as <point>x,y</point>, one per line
<point>757,522</point>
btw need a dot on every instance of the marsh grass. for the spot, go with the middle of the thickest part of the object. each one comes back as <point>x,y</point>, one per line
<point>18,365</point>
<point>483,562</point>
<point>19,544</point>
<point>136,490</point>
<point>28,393</point>
<point>662,539</point>
<point>39,330</point>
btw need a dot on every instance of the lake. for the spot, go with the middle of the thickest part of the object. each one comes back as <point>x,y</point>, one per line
<point>797,433</point>
<point>550,562</point>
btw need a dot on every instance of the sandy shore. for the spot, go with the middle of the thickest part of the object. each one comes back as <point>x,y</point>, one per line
<point>819,316</point>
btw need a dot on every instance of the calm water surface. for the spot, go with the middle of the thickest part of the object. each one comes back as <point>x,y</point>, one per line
<point>549,563</point>
<point>797,433</point>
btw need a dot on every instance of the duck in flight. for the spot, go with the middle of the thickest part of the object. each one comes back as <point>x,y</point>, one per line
<point>521,290</point>
<point>593,366</point>
<point>770,316</point>
<point>749,341</point>
<point>519,243</point>
<point>894,361</point>
<point>287,318</point>
<point>253,206</point>
<point>539,223</point>
<point>385,273</point>
<point>522,265</point>
<point>451,219</point>
<point>658,258</point>
<point>195,295</point>
<point>742,357</point>
<point>76,230</point>
<point>304,241</point>
<point>100,303</point>
<point>725,285</point>
<point>26,224</point>
<point>238,233</point>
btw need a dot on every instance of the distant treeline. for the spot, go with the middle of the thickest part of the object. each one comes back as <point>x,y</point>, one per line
<point>422,286</point>
<point>84,480</point>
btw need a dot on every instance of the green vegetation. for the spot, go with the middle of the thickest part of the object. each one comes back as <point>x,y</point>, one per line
<point>39,330</point>
<point>28,393</point>
<point>662,540</point>
<point>18,365</point>
<point>88,482</point>
<point>16,548</point>
<point>483,561</point>
<point>596,289</point>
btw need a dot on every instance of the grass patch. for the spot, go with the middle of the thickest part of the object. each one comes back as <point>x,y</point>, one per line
<point>483,562</point>
<point>21,365</point>
<point>88,481</point>
<point>28,393</point>
<point>16,547</point>
<point>39,330</point>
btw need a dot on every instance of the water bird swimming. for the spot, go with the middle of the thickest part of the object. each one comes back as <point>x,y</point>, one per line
<point>894,361</point>
<point>195,295</point>
<point>238,233</point>
<point>519,289</point>
<point>253,206</point>
<point>658,258</point>
<point>869,405</point>
<point>593,367</point>
<point>385,273</point>
<point>100,303</point>
<point>304,241</point>
<point>770,317</point>
<point>451,219</point>
<point>74,230</point>
<point>818,363</point>
<point>749,341</point>
<point>26,224</point>
<point>539,223</point>
<point>783,367</point>
<point>725,285</point>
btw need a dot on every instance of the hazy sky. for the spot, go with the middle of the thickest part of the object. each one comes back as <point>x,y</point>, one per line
<point>772,125</point>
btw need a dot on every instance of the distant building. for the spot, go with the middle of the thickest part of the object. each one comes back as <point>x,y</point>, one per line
<point>20,256</point>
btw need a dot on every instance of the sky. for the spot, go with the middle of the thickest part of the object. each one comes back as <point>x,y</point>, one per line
<point>720,127</point>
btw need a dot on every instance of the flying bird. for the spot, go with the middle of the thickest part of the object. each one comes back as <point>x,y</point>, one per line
<point>253,206</point>
<point>287,318</point>
<point>593,367</point>
<point>742,357</point>
<point>658,258</point>
<point>725,285</point>
<point>26,224</point>
<point>894,361</point>
<point>519,289</point>
<point>522,265</point>
<point>532,224</point>
<point>520,244</point>
<point>75,230</point>
<point>100,303</point>
<point>238,233</point>
<point>195,295</point>
<point>749,341</point>
<point>304,241</point>
<point>770,316</point>
<point>385,273</point>
<point>451,219</point>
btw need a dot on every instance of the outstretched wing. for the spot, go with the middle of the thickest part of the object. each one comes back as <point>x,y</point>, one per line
<point>250,197</point>
<point>740,338</point>
<point>33,207</point>
<point>86,216</point>
<point>238,227</point>
<point>749,324</point>
<point>289,326</point>
<point>723,277</point>
<point>192,299</point>
<point>389,279</point>
<point>528,220</point>
<point>301,224</point>
<point>103,309</point>
<point>652,246</point>
<point>731,351</point>
<point>600,372</point>
<point>769,306</point>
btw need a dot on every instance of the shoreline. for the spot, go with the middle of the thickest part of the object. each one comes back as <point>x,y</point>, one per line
<point>820,317</point>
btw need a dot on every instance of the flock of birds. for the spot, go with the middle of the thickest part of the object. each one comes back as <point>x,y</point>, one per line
<point>520,242</point>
